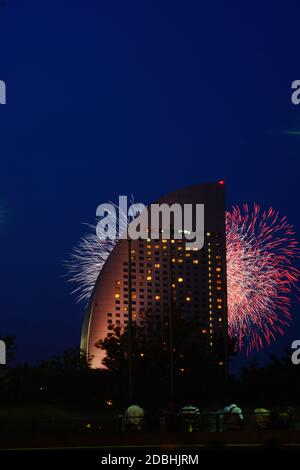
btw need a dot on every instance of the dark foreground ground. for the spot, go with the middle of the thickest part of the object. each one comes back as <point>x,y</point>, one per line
<point>171,449</point>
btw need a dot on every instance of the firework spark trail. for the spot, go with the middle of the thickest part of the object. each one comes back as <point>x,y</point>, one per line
<point>260,273</point>
<point>89,256</point>
<point>85,263</point>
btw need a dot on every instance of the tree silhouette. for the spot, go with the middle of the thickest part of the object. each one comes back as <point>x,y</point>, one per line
<point>198,367</point>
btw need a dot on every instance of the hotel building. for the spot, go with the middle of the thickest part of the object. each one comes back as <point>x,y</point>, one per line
<point>165,275</point>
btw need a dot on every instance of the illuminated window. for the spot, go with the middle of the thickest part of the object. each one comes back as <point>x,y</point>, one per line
<point>157,265</point>
<point>218,269</point>
<point>117,296</point>
<point>180,279</point>
<point>118,283</point>
<point>165,241</point>
<point>157,297</point>
<point>188,299</point>
<point>208,234</point>
<point>173,260</point>
<point>149,278</point>
<point>172,241</point>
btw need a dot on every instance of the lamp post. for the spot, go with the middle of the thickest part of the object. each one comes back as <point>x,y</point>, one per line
<point>129,329</point>
<point>171,329</point>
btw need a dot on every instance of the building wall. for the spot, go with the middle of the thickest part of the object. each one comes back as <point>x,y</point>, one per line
<point>165,274</point>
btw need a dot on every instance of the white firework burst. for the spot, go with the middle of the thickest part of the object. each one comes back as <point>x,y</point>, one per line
<point>89,256</point>
<point>86,262</point>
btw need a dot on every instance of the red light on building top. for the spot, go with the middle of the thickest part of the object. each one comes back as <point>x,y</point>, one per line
<point>221,182</point>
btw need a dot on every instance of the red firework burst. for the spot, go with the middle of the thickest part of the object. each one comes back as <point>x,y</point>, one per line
<point>261,248</point>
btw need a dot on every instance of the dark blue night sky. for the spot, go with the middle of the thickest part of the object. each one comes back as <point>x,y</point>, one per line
<point>123,97</point>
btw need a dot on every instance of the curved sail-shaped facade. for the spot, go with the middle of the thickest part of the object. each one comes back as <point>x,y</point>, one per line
<point>164,272</point>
